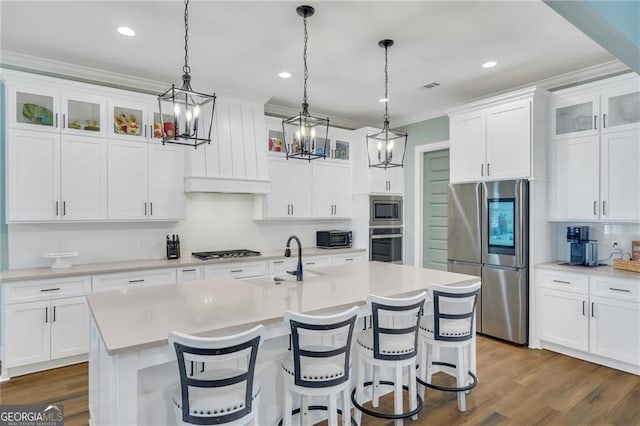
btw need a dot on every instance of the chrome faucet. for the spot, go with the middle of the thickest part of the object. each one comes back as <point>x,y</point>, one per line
<point>287,253</point>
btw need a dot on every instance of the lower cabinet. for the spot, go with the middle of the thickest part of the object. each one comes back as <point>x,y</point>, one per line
<point>191,273</point>
<point>44,320</point>
<point>236,270</point>
<point>601,319</point>
<point>122,280</point>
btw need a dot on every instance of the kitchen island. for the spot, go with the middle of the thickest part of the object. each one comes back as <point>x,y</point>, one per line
<point>132,371</point>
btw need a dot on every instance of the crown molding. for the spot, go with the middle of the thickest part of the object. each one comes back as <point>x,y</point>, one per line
<point>286,112</point>
<point>561,81</point>
<point>64,70</point>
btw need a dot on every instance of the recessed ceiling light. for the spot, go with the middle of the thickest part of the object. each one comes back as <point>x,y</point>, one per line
<point>126,31</point>
<point>383,100</point>
<point>489,64</point>
<point>284,74</point>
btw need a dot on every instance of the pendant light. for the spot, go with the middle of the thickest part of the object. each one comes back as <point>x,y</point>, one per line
<point>186,106</point>
<point>387,142</point>
<point>305,136</point>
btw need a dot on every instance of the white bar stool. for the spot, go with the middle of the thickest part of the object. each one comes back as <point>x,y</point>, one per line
<point>223,392</point>
<point>450,326</point>
<point>391,343</point>
<point>319,364</point>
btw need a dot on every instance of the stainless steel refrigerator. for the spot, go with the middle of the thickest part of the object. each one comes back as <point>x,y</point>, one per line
<point>487,230</point>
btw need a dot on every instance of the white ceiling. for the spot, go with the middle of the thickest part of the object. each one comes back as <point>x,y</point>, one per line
<point>240,46</point>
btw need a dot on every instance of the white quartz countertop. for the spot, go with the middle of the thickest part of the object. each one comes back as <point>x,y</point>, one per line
<point>599,270</point>
<point>139,318</point>
<point>136,265</point>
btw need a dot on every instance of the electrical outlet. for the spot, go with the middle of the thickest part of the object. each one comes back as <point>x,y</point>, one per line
<point>58,244</point>
<point>141,242</point>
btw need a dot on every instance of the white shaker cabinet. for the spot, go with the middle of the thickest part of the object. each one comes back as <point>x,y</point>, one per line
<point>620,176</point>
<point>332,195</point>
<point>498,138</point>
<point>145,181</point>
<point>614,329</point>
<point>564,319</point>
<point>29,320</point>
<point>69,327</point>
<point>291,193</point>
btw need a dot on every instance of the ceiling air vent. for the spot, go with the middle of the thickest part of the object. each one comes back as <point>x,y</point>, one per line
<point>431,85</point>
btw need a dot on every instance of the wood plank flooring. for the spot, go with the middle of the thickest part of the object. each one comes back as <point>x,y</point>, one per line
<point>518,386</point>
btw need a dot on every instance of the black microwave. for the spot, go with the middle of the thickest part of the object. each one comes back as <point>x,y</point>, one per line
<point>333,239</point>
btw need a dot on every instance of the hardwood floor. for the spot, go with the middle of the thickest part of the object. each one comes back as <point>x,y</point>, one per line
<point>518,386</point>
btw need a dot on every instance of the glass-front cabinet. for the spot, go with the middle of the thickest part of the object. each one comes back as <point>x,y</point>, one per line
<point>84,115</point>
<point>621,108</point>
<point>33,108</point>
<point>127,120</point>
<point>341,150</point>
<point>575,115</point>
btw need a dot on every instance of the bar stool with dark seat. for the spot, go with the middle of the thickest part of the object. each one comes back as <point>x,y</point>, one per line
<point>223,391</point>
<point>392,342</point>
<point>319,364</point>
<point>450,326</point>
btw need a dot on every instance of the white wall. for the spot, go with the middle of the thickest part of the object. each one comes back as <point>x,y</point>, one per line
<point>213,222</point>
<point>605,234</point>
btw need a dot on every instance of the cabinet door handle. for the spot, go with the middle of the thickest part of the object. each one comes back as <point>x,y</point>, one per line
<point>624,290</point>
<point>604,208</point>
<point>145,130</point>
<point>488,169</point>
<point>64,121</point>
<point>604,121</point>
<point>292,209</point>
<point>583,303</point>
<point>64,208</point>
<point>188,270</point>
<point>46,315</point>
<point>57,208</point>
<point>56,120</point>
<point>135,281</point>
<point>595,207</point>
<point>482,169</point>
<point>145,208</point>
<point>151,208</point>
<point>54,314</point>
<point>593,309</point>
<point>562,282</point>
<point>44,290</point>
<point>595,122</point>
<point>235,271</point>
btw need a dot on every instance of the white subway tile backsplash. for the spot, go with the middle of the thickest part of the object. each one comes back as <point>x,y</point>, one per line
<point>212,222</point>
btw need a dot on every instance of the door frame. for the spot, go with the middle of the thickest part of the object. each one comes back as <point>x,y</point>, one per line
<point>419,152</point>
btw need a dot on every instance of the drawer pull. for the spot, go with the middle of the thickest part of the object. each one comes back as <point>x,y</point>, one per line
<point>135,281</point>
<point>44,290</point>
<point>624,290</point>
<point>278,262</point>
<point>188,270</point>
<point>350,259</point>
<point>310,263</point>
<point>562,282</point>
<point>237,270</point>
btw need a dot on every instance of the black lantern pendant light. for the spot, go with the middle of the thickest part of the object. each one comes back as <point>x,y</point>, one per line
<point>305,136</point>
<point>387,142</point>
<point>186,106</point>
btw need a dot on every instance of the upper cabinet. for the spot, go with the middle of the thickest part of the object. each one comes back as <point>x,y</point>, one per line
<point>594,166</point>
<point>498,138</point>
<point>373,180</point>
<point>236,159</point>
<point>80,152</point>
<point>606,106</point>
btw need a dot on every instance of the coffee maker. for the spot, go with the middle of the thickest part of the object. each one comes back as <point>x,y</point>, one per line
<point>583,250</point>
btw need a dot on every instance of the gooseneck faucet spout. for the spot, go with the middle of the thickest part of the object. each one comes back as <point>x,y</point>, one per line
<point>287,253</point>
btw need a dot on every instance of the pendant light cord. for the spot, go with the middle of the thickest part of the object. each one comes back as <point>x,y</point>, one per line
<point>305,104</point>
<point>186,69</point>
<point>386,85</point>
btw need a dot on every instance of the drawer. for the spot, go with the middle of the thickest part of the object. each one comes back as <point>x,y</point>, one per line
<point>308,261</point>
<point>616,288</point>
<point>26,291</point>
<point>339,259</point>
<point>134,279</point>
<point>189,273</point>
<point>565,281</point>
<point>277,266</point>
<point>236,270</point>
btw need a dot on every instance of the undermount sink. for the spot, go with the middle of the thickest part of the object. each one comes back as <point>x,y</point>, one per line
<point>281,280</point>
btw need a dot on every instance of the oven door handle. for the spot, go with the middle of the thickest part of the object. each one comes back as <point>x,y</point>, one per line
<point>376,237</point>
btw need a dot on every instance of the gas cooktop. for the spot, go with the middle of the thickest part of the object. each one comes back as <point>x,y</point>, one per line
<point>225,254</point>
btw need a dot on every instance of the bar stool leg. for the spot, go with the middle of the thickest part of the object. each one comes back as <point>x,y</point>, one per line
<point>346,407</point>
<point>397,395</point>
<point>375,388</point>
<point>461,375</point>
<point>333,407</point>
<point>423,367</point>
<point>359,388</point>
<point>287,419</point>
<point>304,410</point>
<point>413,397</point>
